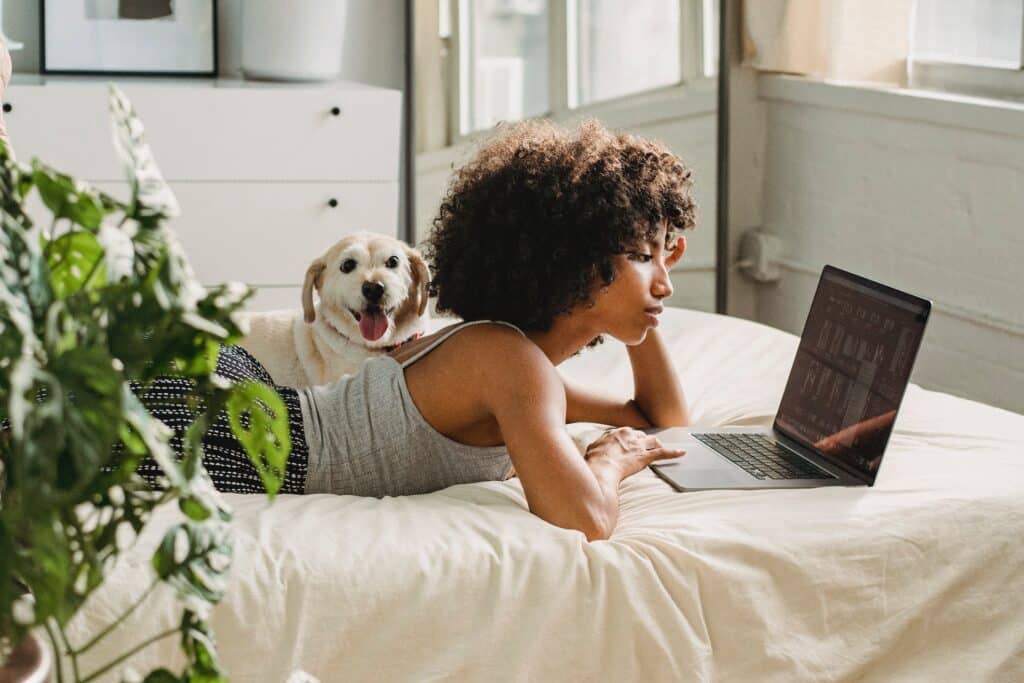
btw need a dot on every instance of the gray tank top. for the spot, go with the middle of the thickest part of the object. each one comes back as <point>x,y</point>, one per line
<point>367,438</point>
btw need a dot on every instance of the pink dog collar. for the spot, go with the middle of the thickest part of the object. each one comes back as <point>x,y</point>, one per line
<point>389,349</point>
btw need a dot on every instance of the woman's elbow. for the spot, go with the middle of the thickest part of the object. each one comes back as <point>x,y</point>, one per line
<point>597,529</point>
<point>678,421</point>
<point>636,418</point>
<point>657,420</point>
<point>593,528</point>
<point>670,420</point>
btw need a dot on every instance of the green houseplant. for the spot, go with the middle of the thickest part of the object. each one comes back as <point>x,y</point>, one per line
<point>93,307</point>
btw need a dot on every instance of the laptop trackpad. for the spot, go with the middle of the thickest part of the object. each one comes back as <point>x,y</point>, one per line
<point>699,456</point>
<point>702,467</point>
<point>700,477</point>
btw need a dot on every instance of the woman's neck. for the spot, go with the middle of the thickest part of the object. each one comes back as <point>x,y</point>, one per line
<point>568,334</point>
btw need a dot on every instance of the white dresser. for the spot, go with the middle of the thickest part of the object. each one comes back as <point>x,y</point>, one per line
<point>267,175</point>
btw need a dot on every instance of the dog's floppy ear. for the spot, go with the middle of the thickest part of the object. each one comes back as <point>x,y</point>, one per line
<point>313,273</point>
<point>421,278</point>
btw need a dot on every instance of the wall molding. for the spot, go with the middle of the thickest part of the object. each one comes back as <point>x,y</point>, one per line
<point>919,106</point>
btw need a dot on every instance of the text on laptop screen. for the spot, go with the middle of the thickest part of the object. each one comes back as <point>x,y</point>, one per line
<point>851,369</point>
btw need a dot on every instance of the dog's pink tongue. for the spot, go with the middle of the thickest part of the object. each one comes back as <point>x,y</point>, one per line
<point>372,324</point>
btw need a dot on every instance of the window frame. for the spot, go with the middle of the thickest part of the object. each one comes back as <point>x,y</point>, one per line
<point>651,105</point>
<point>964,78</point>
<point>980,78</point>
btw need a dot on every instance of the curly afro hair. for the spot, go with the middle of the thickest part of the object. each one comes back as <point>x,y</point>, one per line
<point>530,225</point>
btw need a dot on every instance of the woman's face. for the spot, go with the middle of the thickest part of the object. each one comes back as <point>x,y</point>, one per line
<point>629,306</point>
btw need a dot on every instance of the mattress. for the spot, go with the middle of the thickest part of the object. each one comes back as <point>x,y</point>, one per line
<point>917,578</point>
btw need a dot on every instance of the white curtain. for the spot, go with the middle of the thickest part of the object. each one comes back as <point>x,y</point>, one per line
<point>850,40</point>
<point>431,112</point>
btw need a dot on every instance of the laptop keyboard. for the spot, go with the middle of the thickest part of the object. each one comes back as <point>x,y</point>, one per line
<point>761,457</point>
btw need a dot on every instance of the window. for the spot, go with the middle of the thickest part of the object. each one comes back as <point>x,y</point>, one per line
<point>614,53</point>
<point>985,32</point>
<point>514,59</point>
<point>969,46</point>
<point>503,61</point>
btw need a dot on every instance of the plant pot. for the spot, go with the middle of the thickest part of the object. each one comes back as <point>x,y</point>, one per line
<point>299,40</point>
<point>29,662</point>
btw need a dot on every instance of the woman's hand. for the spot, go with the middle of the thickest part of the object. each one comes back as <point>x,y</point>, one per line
<point>627,451</point>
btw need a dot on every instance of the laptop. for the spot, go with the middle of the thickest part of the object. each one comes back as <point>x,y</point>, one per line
<point>841,399</point>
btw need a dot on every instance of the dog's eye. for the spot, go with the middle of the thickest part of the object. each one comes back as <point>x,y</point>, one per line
<point>392,262</point>
<point>348,265</point>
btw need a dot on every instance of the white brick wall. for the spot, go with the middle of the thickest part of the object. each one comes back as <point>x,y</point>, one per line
<point>923,194</point>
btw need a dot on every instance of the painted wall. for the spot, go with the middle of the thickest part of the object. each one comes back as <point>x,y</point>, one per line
<point>923,193</point>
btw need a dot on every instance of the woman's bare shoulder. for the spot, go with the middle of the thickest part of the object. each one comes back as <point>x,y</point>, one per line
<point>501,355</point>
<point>514,380</point>
<point>491,341</point>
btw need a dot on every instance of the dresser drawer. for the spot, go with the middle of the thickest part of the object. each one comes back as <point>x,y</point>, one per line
<point>212,131</point>
<point>266,233</point>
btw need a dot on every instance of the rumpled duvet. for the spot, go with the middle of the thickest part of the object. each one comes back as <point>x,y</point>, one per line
<point>919,578</point>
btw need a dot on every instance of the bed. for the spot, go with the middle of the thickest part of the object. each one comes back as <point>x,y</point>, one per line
<point>920,578</point>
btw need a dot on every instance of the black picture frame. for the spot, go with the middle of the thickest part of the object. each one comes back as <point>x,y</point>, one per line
<point>45,69</point>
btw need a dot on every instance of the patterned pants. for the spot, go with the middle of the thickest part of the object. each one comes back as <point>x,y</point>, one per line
<point>224,457</point>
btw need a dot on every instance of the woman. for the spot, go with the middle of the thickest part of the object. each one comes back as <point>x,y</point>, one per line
<point>546,241</point>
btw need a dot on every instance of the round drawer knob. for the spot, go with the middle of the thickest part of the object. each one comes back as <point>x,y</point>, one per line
<point>336,111</point>
<point>332,202</point>
<point>8,108</point>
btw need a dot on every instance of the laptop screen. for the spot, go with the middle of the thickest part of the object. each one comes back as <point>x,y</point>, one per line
<point>851,369</point>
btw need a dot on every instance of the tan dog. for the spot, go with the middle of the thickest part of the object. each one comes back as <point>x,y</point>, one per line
<point>373,297</point>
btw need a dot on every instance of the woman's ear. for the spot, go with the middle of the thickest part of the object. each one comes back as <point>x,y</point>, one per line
<point>421,278</point>
<point>313,273</point>
<point>677,253</point>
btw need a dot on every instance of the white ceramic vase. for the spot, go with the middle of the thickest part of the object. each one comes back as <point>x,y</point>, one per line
<point>298,40</point>
<point>11,44</point>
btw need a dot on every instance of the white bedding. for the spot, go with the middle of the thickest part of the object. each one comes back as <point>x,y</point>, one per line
<point>919,578</point>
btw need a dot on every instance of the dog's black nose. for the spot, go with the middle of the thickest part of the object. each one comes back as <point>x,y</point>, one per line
<point>373,291</point>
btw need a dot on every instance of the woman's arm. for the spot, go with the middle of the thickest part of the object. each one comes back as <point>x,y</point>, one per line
<point>526,396</point>
<point>658,397</point>
<point>583,405</point>
<point>656,388</point>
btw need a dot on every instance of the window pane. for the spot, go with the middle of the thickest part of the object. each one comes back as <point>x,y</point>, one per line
<point>623,52</point>
<point>508,61</point>
<point>986,32</point>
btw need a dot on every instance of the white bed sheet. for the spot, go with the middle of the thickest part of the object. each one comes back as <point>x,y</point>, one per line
<point>918,578</point>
